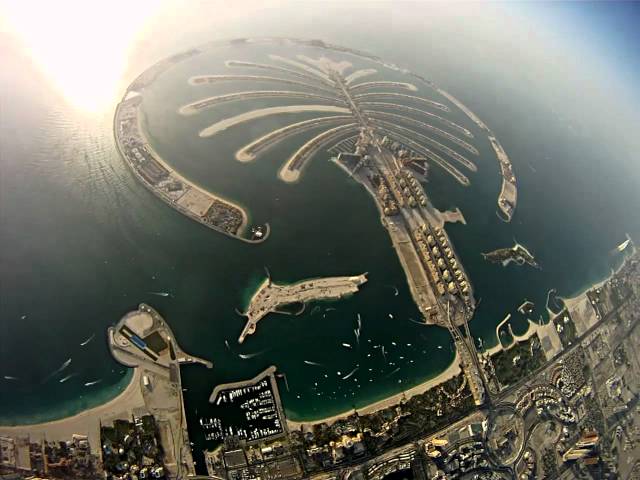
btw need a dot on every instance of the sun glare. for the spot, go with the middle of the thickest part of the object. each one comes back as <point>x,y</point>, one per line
<point>81,46</point>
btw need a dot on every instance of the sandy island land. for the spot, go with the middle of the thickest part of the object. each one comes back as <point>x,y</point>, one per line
<point>186,181</point>
<point>452,370</point>
<point>86,422</point>
<point>226,123</point>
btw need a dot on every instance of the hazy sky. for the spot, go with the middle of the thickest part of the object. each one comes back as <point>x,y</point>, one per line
<point>583,56</point>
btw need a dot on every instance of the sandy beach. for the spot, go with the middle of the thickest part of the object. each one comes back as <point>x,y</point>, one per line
<point>86,422</point>
<point>265,112</point>
<point>452,370</point>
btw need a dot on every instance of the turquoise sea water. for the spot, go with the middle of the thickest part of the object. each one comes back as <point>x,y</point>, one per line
<point>83,242</point>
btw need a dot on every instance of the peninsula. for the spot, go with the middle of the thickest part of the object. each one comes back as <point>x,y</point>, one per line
<point>518,254</point>
<point>346,105</point>
<point>143,340</point>
<point>270,296</point>
<point>149,411</point>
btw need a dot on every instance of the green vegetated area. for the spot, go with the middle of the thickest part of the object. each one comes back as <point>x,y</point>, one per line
<point>421,414</point>
<point>518,361</point>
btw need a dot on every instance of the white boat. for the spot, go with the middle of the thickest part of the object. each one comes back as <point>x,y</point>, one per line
<point>350,374</point>
<point>62,380</point>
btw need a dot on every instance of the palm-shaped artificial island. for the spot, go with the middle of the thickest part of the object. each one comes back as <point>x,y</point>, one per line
<point>384,134</point>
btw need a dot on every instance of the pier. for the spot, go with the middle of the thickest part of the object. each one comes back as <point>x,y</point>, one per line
<point>270,296</point>
<point>259,399</point>
<point>144,341</point>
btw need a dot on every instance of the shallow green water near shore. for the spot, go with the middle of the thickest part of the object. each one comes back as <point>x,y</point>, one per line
<point>83,243</point>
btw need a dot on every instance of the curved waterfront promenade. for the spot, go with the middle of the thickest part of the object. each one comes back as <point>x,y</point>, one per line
<point>292,169</point>
<point>249,152</point>
<point>196,107</point>
<point>306,76</point>
<point>209,79</point>
<point>417,123</point>
<point>381,84</point>
<point>407,109</point>
<point>85,422</point>
<point>450,372</point>
<point>508,197</point>
<point>265,112</point>
<point>365,72</point>
<point>177,191</point>
<point>400,96</point>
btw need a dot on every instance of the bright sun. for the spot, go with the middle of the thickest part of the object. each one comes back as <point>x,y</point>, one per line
<point>81,46</point>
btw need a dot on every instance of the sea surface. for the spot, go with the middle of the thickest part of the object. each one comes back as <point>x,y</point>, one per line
<point>82,242</point>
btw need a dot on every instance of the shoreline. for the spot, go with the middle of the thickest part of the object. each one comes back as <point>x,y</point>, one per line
<point>573,299</point>
<point>161,161</point>
<point>451,371</point>
<point>85,422</point>
<point>570,304</point>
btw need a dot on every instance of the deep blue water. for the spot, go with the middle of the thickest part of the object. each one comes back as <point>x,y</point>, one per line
<point>82,242</point>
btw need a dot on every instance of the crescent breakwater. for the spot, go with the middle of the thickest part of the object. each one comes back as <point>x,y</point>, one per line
<point>317,76</point>
<point>177,191</point>
<point>508,197</point>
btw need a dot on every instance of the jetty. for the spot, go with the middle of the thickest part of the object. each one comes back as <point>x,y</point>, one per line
<point>271,296</point>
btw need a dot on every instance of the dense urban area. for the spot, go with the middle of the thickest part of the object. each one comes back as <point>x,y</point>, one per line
<point>559,402</point>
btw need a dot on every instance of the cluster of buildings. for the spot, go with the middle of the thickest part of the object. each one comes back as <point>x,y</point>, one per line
<point>386,199</point>
<point>402,462</point>
<point>457,462</point>
<point>178,192</point>
<point>131,450</point>
<point>347,443</point>
<point>441,263</point>
<point>240,460</point>
<point>70,459</point>
<point>584,448</point>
